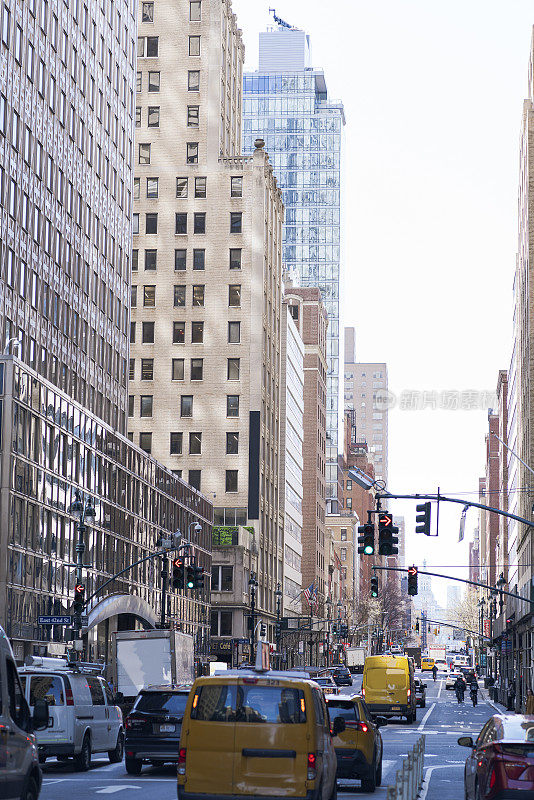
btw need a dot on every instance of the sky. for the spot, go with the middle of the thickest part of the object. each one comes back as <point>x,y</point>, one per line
<point>433,95</point>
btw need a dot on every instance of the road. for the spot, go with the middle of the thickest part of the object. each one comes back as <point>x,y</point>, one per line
<point>442,721</point>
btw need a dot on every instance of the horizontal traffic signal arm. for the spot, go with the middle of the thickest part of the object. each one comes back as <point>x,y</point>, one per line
<point>460,580</point>
<point>456,627</point>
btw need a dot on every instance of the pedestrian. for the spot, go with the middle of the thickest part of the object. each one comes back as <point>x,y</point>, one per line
<point>529,705</point>
<point>511,697</point>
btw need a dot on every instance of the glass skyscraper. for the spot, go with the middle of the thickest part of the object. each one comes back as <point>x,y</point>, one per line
<point>286,103</point>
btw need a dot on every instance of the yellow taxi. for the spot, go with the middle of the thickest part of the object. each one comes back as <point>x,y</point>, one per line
<point>427,663</point>
<point>388,686</point>
<point>256,733</point>
<point>358,744</point>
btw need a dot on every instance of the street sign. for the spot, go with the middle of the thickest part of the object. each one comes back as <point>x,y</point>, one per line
<point>84,619</point>
<point>47,620</point>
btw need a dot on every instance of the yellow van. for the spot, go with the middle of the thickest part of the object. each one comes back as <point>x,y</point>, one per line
<point>251,734</point>
<point>427,664</point>
<point>388,686</point>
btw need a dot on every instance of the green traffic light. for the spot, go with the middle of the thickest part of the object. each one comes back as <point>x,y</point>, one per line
<point>368,549</point>
<point>190,584</point>
<point>374,594</point>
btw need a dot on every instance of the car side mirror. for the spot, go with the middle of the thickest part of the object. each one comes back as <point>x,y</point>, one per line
<point>380,721</point>
<point>466,741</point>
<point>339,726</point>
<point>41,715</point>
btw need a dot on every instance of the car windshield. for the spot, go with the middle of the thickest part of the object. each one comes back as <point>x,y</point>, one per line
<point>324,681</point>
<point>161,703</point>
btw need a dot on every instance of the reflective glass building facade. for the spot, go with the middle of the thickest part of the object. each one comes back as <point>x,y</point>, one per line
<point>286,103</point>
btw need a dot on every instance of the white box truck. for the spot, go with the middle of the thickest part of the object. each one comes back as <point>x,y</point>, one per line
<point>151,658</point>
<point>355,657</point>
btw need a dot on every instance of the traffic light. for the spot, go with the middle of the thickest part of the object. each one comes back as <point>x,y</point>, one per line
<point>387,540</point>
<point>263,629</point>
<point>422,519</point>
<point>412,581</point>
<point>367,540</point>
<point>417,626</point>
<point>190,577</point>
<point>79,598</point>
<point>178,576</point>
<point>198,578</point>
<point>374,587</point>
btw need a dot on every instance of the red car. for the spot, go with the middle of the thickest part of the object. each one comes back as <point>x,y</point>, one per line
<point>501,763</point>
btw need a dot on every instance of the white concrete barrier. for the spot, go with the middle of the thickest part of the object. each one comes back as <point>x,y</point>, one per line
<point>409,779</point>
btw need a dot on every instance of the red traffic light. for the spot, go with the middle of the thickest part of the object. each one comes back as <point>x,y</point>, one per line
<point>385,520</point>
<point>79,590</point>
<point>178,563</point>
<point>412,570</point>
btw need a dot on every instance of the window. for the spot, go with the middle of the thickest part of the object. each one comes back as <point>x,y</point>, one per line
<point>236,186</point>
<point>149,296</point>
<point>151,49</point>
<point>145,442</point>
<point>197,369</point>
<point>232,405</point>
<point>135,260</point>
<point>176,444</point>
<point>47,687</point>
<point>193,116</point>
<point>151,223</point>
<point>195,8</point>
<point>180,224</point>
<point>222,579</point>
<point>236,221</point>
<point>139,81</point>
<point>234,295</point>
<point>180,258</point>
<point>199,259</point>
<point>192,152</point>
<point>146,405</point>
<point>179,296</point>
<point>343,534</point>
<point>147,369</point>
<point>186,405</point>
<point>152,187</point>
<point>235,258</point>
<point>151,260</point>
<point>232,372</point>
<point>234,332</point>
<point>198,295</point>
<point>181,187</point>
<point>148,333</point>
<point>349,503</point>
<point>232,443</point>
<point>194,479</point>
<point>133,296</point>
<point>195,444</point>
<point>144,153</point>
<point>178,332</point>
<point>132,334</point>
<point>137,188</point>
<point>6,15</point>
<point>231,480</point>
<point>194,45</point>
<point>199,223</point>
<point>177,369</point>
<point>193,80</point>
<point>197,332</point>
<point>153,81</point>
<point>147,12</point>
<point>153,116</point>
<point>135,224</point>
<point>131,405</point>
<point>349,485</point>
<point>200,187</point>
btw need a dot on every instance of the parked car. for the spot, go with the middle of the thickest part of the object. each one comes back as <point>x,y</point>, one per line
<point>327,684</point>
<point>83,714</point>
<point>342,676</point>
<point>153,727</point>
<point>420,693</point>
<point>358,743</point>
<point>452,677</point>
<point>501,761</point>
<point>20,773</point>
<point>225,753</point>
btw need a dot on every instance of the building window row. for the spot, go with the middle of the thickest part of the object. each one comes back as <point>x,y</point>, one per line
<point>180,298</point>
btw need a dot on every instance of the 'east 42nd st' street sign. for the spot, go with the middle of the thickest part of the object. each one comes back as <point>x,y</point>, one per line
<point>65,620</point>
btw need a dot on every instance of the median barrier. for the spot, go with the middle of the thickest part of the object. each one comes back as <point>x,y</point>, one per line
<point>409,779</point>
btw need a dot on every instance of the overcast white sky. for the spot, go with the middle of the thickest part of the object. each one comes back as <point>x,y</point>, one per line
<point>433,95</point>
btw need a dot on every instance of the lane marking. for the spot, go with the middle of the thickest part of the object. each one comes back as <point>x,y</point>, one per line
<point>440,688</point>
<point>428,713</point>
<point>114,789</point>
<point>428,775</point>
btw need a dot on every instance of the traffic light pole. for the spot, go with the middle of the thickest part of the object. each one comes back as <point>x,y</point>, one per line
<point>164,583</point>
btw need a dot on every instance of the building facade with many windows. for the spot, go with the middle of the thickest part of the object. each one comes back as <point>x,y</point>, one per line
<point>286,103</point>
<point>206,288</point>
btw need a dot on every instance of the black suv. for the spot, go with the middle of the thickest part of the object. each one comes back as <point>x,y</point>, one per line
<point>153,727</point>
<point>342,676</point>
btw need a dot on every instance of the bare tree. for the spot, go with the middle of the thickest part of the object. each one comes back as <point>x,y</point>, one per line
<point>465,614</point>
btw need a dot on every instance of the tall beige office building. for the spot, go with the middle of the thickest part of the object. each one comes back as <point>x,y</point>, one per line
<point>66,140</point>
<point>206,294</point>
<point>366,387</point>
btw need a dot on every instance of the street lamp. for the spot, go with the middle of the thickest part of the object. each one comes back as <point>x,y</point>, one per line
<point>278,595</point>
<point>82,509</point>
<point>253,585</point>
<point>328,604</point>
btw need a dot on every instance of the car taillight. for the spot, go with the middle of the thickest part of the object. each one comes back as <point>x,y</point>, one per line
<point>363,691</point>
<point>312,772</point>
<point>409,692</point>
<point>357,726</point>
<point>181,761</point>
<point>493,778</point>
<point>132,722</point>
<point>514,769</point>
<point>69,699</point>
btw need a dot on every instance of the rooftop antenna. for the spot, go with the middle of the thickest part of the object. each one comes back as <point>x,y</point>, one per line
<point>280,21</point>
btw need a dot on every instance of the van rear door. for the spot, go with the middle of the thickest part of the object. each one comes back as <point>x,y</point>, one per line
<point>209,739</point>
<point>271,740</point>
<point>51,688</point>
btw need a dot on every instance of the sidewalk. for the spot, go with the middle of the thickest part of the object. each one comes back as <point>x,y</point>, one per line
<point>499,707</point>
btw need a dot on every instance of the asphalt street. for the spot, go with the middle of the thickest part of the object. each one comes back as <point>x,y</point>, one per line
<point>442,721</point>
